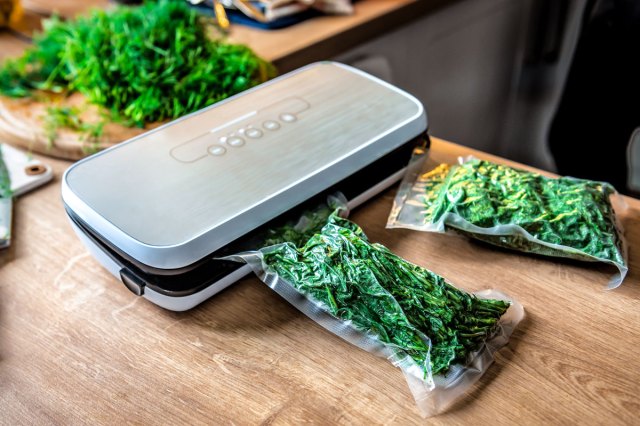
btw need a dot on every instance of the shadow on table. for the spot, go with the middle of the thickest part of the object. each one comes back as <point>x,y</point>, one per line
<point>503,357</point>
<point>469,253</point>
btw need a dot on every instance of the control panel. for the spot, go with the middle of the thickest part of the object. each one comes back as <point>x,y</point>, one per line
<point>241,131</point>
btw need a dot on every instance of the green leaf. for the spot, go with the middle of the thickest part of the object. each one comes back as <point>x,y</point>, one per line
<point>144,64</point>
<point>5,179</point>
<point>572,213</point>
<point>404,304</point>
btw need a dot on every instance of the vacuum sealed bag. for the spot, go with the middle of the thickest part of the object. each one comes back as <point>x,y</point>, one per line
<point>441,337</point>
<point>513,208</point>
<point>5,203</point>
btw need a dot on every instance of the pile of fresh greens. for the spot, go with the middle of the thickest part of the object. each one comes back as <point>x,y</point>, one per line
<point>574,216</point>
<point>403,304</point>
<point>144,64</point>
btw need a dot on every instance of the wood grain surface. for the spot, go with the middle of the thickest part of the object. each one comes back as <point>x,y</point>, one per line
<point>77,347</point>
<point>23,123</point>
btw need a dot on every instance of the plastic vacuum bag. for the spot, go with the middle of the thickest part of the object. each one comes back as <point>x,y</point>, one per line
<point>442,338</point>
<point>513,208</point>
<point>5,203</point>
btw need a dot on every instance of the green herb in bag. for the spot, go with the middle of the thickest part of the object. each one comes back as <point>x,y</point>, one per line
<point>517,209</point>
<point>403,304</point>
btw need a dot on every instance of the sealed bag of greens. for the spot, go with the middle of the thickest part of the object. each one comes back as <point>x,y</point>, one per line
<point>513,208</point>
<point>442,338</point>
<point>5,203</point>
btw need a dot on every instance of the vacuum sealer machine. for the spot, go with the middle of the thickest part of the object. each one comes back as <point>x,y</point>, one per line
<point>159,209</point>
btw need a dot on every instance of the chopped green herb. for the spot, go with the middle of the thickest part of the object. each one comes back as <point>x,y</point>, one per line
<point>145,64</point>
<point>5,179</point>
<point>574,216</point>
<point>59,117</point>
<point>403,304</point>
<point>310,223</point>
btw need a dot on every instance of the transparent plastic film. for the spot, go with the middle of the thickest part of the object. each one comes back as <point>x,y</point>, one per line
<point>516,209</point>
<point>441,337</point>
<point>449,387</point>
<point>6,205</point>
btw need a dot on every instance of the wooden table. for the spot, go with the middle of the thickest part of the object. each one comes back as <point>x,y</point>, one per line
<point>77,347</point>
<point>313,40</point>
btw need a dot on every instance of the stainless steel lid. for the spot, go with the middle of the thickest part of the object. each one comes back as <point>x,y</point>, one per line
<point>173,195</point>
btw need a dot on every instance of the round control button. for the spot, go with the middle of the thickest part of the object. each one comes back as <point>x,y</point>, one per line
<point>288,118</point>
<point>253,133</point>
<point>271,125</point>
<point>235,141</point>
<point>217,150</point>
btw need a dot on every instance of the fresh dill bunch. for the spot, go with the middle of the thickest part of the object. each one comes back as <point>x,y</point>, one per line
<point>144,64</point>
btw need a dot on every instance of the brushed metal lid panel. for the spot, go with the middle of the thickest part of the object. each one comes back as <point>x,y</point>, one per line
<point>164,188</point>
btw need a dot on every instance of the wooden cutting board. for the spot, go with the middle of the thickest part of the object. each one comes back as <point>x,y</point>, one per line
<point>22,123</point>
